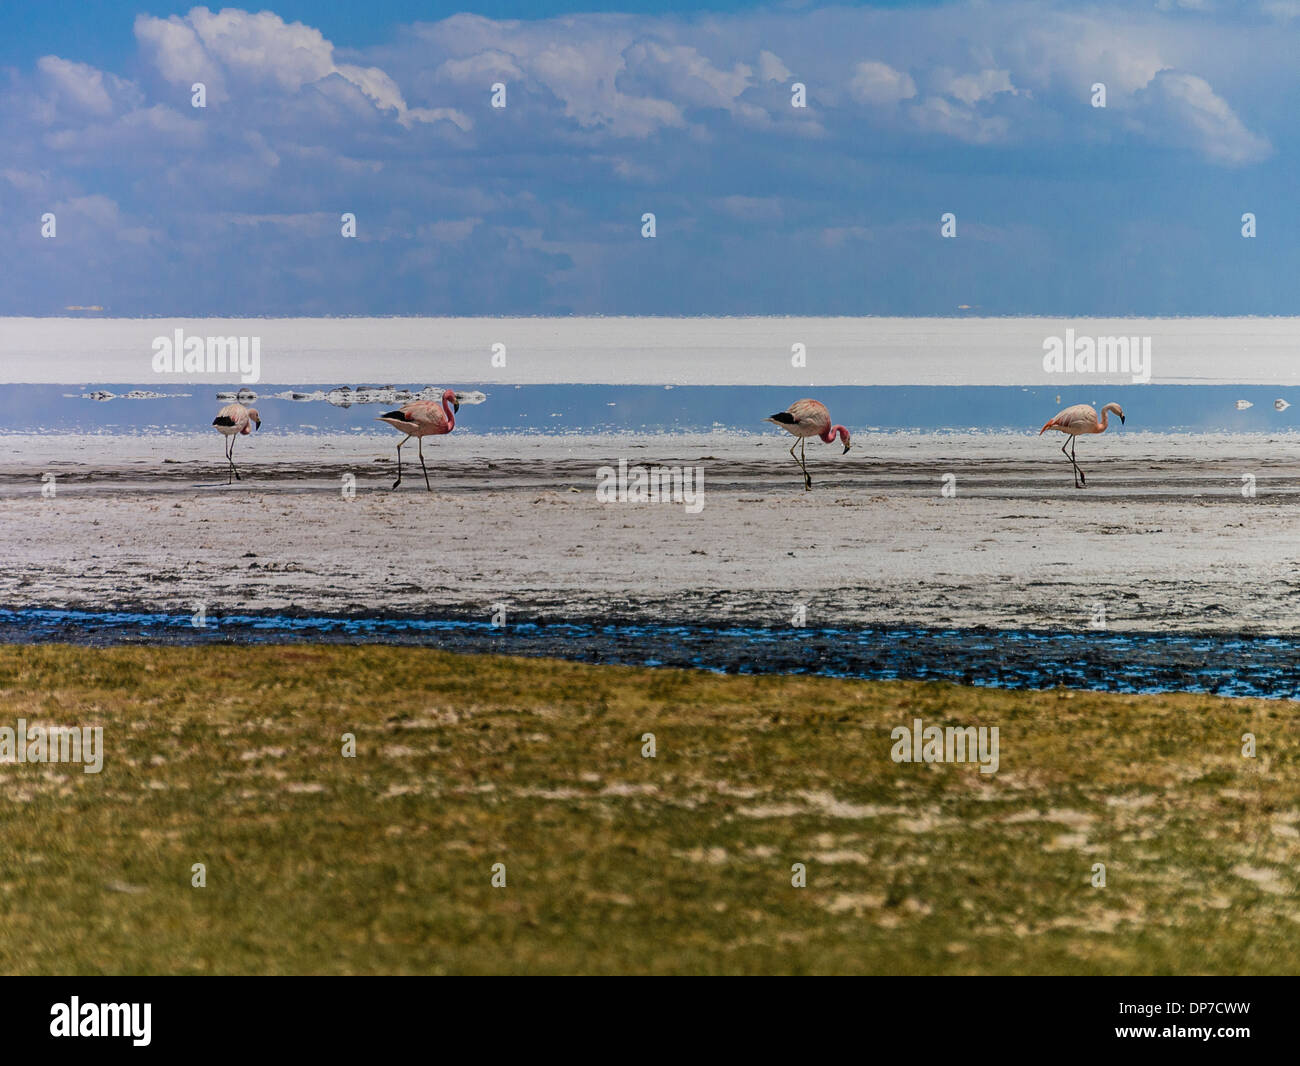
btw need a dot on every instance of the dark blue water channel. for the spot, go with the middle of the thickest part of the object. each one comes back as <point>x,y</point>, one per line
<point>1015,659</point>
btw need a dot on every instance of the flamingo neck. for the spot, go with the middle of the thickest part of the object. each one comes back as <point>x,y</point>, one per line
<point>451,415</point>
<point>1105,421</point>
<point>831,434</point>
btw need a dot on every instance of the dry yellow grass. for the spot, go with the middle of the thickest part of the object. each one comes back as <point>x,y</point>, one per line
<point>615,863</point>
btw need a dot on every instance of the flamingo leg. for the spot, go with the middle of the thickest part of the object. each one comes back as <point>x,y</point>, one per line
<point>1078,474</point>
<point>230,458</point>
<point>419,443</point>
<point>803,462</point>
<point>399,461</point>
<point>796,459</point>
<point>1065,446</point>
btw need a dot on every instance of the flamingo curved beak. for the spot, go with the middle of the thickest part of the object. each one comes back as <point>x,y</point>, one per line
<point>846,450</point>
<point>1121,420</point>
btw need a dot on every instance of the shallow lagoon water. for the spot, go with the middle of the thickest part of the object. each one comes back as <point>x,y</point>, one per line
<point>566,409</point>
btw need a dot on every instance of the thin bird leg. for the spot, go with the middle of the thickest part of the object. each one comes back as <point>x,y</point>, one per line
<point>803,461</point>
<point>419,443</point>
<point>1077,468</point>
<point>796,459</point>
<point>1073,466</point>
<point>231,456</point>
<point>399,461</point>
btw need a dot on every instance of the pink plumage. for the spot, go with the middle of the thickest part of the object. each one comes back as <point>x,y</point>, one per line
<point>419,419</point>
<point>808,418</point>
<point>1075,421</point>
<point>232,421</point>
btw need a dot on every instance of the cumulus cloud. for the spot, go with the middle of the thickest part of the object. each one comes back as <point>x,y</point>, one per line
<point>614,75</point>
<point>1182,109</point>
<point>879,83</point>
<point>937,114</point>
<point>970,89</point>
<point>586,83</point>
<point>82,88</point>
<point>237,48</point>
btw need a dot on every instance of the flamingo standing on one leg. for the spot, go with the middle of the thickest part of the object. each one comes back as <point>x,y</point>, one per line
<point>808,418</point>
<point>420,419</point>
<point>1076,420</point>
<point>232,420</point>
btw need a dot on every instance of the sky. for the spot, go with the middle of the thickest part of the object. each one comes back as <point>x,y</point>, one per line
<point>979,109</point>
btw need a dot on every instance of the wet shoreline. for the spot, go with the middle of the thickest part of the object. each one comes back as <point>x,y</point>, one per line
<point>1217,663</point>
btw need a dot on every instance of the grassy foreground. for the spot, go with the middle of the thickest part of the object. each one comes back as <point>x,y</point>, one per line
<point>617,863</point>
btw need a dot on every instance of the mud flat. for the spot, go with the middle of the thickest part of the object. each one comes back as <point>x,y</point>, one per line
<point>1163,540</point>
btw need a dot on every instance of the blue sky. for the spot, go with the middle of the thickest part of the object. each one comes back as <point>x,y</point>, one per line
<point>383,109</point>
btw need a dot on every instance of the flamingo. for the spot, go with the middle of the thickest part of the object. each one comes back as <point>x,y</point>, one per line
<point>808,418</point>
<point>232,420</point>
<point>1076,420</point>
<point>420,419</point>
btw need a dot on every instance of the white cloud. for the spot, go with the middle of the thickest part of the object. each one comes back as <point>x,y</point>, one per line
<point>879,83</point>
<point>972,88</point>
<point>480,69</point>
<point>234,47</point>
<point>80,87</point>
<point>938,114</point>
<point>585,82</point>
<point>612,75</point>
<point>1184,110</point>
<point>150,131</point>
<point>770,67</point>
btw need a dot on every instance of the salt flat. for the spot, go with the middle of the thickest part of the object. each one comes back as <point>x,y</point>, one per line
<point>654,351</point>
<point>1163,540</point>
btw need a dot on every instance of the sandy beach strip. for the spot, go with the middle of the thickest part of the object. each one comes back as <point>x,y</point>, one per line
<point>1159,543</point>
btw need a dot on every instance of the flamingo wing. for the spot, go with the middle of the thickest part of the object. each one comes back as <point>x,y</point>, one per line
<point>421,418</point>
<point>232,415</point>
<point>1080,418</point>
<point>426,413</point>
<point>810,414</point>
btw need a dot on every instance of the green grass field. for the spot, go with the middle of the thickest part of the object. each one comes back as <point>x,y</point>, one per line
<point>616,863</point>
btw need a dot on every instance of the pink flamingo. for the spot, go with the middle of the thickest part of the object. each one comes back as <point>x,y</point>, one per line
<point>1076,420</point>
<point>420,419</point>
<point>808,418</point>
<point>232,420</point>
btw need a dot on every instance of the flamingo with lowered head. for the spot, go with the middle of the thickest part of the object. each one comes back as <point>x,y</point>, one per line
<point>1081,418</point>
<point>808,418</point>
<point>231,421</point>
<point>421,419</point>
